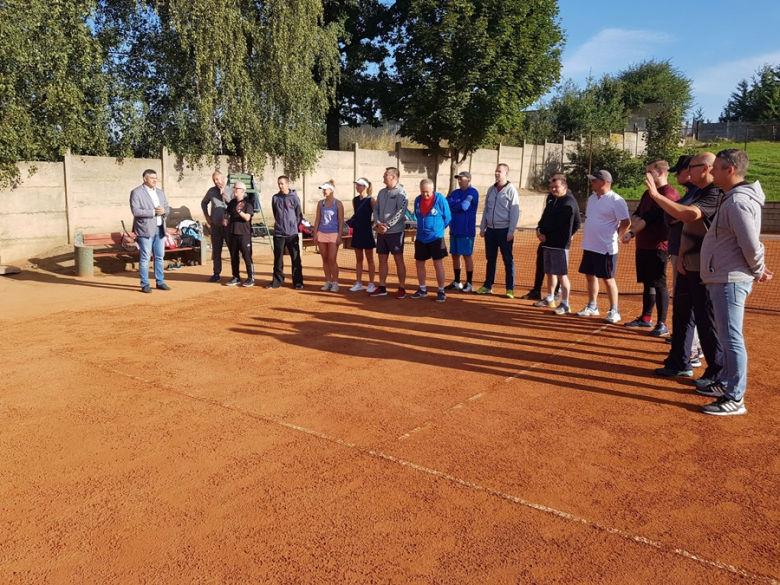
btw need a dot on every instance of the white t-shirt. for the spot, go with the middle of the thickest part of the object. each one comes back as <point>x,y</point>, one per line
<point>602,218</point>
<point>156,202</point>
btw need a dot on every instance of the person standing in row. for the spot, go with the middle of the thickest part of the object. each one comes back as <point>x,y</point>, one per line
<point>286,207</point>
<point>390,220</point>
<point>363,233</point>
<point>238,223</point>
<point>218,197</point>
<point>606,220</point>
<point>499,221</point>
<point>150,208</point>
<point>463,203</point>
<point>328,224</point>
<point>433,216</point>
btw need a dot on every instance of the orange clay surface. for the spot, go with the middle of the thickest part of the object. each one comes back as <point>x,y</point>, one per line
<point>226,435</point>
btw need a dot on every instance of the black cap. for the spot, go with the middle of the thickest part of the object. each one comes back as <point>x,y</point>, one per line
<point>682,163</point>
<point>465,174</point>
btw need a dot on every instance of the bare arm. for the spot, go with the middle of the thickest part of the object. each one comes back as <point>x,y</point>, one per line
<point>684,213</point>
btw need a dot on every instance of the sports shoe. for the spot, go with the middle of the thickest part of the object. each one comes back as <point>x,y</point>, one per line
<point>612,316</point>
<point>401,294</point>
<point>334,287</point>
<point>379,291</point>
<point>420,294</point>
<point>532,295</point>
<point>483,290</point>
<point>326,286</point>
<point>455,285</point>
<point>716,390</point>
<point>660,330</point>
<point>562,309</point>
<point>558,298</point>
<point>146,289</point>
<point>670,373</point>
<point>215,278</point>
<point>545,302</point>
<point>589,311</point>
<point>298,286</point>
<point>249,283</point>
<point>510,294</point>
<point>725,407</point>
<point>695,362</point>
<point>273,285</point>
<point>703,382</point>
<point>669,339</point>
<point>371,288</point>
<point>441,296</point>
<point>233,282</point>
<point>639,323</point>
<point>164,286</point>
<point>467,288</point>
<point>358,286</point>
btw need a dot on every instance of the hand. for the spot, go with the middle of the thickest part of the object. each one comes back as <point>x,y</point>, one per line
<point>338,241</point>
<point>542,238</point>
<point>680,267</point>
<point>651,188</point>
<point>314,237</point>
<point>768,274</point>
<point>159,210</point>
<point>510,237</point>
<point>208,221</point>
<point>626,238</point>
<point>481,234</point>
<point>381,228</point>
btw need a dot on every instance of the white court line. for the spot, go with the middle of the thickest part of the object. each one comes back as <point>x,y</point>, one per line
<point>660,546</point>
<point>451,409</point>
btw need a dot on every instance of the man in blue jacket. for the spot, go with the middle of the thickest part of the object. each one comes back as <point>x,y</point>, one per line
<point>463,204</point>
<point>433,216</point>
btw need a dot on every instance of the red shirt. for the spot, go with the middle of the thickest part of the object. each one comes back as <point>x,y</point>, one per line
<point>426,205</point>
<point>656,232</point>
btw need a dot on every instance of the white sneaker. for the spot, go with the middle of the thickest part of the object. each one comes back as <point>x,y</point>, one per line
<point>326,286</point>
<point>589,311</point>
<point>334,287</point>
<point>356,287</point>
<point>467,288</point>
<point>371,288</point>
<point>612,316</point>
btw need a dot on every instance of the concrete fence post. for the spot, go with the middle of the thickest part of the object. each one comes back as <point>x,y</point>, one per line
<point>67,163</point>
<point>355,164</point>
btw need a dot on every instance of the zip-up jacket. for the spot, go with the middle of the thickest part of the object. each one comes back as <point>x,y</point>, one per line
<point>218,204</point>
<point>560,221</point>
<point>463,206</point>
<point>390,208</point>
<point>502,209</point>
<point>731,250</point>
<point>287,213</point>
<point>431,227</point>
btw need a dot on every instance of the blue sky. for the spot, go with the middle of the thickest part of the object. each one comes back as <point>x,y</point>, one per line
<point>714,43</point>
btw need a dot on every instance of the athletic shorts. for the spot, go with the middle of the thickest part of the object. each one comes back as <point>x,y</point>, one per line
<point>390,243</point>
<point>327,238</point>
<point>651,267</point>
<point>461,245</point>
<point>556,261</point>
<point>598,265</point>
<point>435,249</point>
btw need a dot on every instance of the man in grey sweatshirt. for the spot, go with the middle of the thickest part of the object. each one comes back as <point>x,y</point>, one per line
<point>732,258</point>
<point>390,220</point>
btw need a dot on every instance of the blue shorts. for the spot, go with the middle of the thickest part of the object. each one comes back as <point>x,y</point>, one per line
<point>461,245</point>
<point>598,265</point>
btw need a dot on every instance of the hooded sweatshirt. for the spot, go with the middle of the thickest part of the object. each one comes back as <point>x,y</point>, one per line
<point>731,250</point>
<point>391,208</point>
<point>287,213</point>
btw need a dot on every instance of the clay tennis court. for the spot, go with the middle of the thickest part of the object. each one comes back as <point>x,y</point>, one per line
<point>220,435</point>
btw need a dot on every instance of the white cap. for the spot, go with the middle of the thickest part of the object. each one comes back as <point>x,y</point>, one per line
<point>361,182</point>
<point>327,186</point>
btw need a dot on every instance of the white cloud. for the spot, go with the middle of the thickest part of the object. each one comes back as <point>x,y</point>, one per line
<point>613,49</point>
<point>722,79</point>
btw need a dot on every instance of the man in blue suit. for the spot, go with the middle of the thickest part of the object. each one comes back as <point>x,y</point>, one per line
<point>150,208</point>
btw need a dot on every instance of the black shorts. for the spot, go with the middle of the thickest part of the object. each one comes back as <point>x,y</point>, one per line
<point>598,265</point>
<point>435,249</point>
<point>390,243</point>
<point>651,267</point>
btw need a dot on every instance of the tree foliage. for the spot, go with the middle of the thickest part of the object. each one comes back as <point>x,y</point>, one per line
<point>598,152</point>
<point>465,69</point>
<point>757,101</point>
<point>656,82</point>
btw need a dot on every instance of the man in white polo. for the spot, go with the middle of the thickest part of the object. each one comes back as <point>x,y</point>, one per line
<point>606,220</point>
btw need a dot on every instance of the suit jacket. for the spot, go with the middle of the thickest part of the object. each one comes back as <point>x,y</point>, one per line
<point>145,224</point>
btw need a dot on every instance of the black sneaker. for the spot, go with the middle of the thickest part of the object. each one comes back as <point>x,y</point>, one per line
<point>299,286</point>
<point>725,407</point>
<point>639,323</point>
<point>249,282</point>
<point>441,296</point>
<point>420,294</point>
<point>715,389</point>
<point>233,282</point>
<point>269,285</point>
<point>454,285</point>
<point>532,295</point>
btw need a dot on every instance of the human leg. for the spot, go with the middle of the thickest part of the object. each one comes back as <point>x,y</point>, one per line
<point>491,255</point>
<point>728,302</point>
<point>145,247</point>
<point>292,244</point>
<point>158,248</point>
<point>280,243</point>
<point>371,266</point>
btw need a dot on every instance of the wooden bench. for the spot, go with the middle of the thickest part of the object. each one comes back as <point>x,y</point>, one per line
<point>85,252</point>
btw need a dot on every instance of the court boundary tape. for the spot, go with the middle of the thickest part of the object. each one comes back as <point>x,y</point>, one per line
<point>427,424</point>
<point>658,545</point>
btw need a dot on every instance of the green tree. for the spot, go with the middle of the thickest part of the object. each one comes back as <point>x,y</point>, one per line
<point>53,90</point>
<point>655,82</point>
<point>598,152</point>
<point>465,69</point>
<point>758,101</point>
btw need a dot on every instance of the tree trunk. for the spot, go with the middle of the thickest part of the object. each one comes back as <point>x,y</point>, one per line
<point>453,169</point>
<point>332,127</point>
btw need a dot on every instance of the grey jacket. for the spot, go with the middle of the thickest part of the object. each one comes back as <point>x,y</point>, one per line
<point>731,250</point>
<point>287,213</point>
<point>218,204</point>
<point>145,224</point>
<point>390,208</point>
<point>502,209</point>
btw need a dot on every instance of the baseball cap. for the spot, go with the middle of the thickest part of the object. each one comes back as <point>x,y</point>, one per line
<point>602,175</point>
<point>360,182</point>
<point>682,163</point>
<point>464,174</point>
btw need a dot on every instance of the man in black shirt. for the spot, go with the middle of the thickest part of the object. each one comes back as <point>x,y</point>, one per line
<point>238,221</point>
